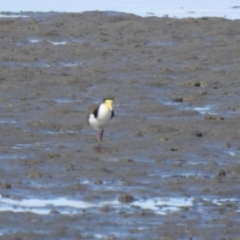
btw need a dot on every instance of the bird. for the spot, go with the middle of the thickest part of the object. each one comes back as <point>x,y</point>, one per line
<point>99,117</point>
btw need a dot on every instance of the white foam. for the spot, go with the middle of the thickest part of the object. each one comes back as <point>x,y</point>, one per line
<point>221,201</point>
<point>170,103</point>
<point>201,110</point>
<point>161,206</point>
<point>63,42</point>
<point>58,43</point>
<point>22,146</point>
<point>164,205</point>
<point>71,64</point>
<point>34,40</point>
<point>231,153</point>
<point>71,207</point>
<point>185,175</point>
<point>44,206</point>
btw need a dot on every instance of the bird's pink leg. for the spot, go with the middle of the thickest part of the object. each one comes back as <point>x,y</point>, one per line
<point>99,137</point>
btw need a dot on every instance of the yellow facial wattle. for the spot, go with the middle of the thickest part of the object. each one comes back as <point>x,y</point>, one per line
<point>109,103</point>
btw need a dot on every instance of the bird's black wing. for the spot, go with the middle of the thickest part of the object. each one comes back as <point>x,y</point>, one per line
<point>95,112</point>
<point>113,114</point>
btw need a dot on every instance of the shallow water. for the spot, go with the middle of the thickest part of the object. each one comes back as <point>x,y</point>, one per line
<point>186,8</point>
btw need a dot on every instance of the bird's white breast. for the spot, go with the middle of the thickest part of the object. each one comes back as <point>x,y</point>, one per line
<point>104,116</point>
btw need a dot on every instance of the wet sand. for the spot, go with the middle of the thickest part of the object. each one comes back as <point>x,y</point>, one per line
<point>172,171</point>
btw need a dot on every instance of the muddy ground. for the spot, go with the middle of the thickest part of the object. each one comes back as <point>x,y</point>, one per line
<point>172,170</point>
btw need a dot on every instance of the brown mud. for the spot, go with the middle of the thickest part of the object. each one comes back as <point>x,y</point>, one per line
<point>172,171</point>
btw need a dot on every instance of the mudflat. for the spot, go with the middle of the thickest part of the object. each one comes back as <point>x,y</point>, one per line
<point>172,170</point>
